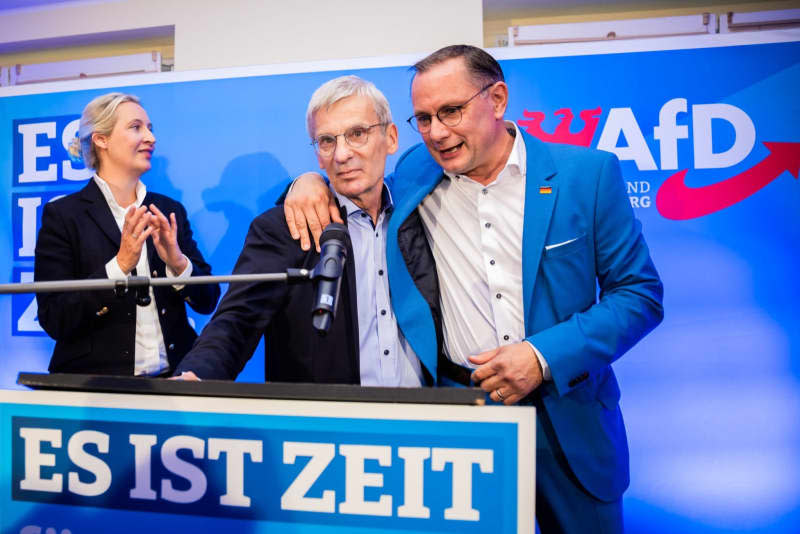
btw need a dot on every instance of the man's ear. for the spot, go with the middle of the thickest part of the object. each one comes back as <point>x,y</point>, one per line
<point>391,138</point>
<point>499,96</point>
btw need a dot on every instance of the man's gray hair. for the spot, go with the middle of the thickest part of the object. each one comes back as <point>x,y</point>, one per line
<point>342,87</point>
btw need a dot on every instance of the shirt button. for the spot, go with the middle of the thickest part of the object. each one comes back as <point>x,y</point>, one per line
<point>499,296</point>
<point>380,272</point>
<point>488,225</point>
<point>163,311</point>
<point>485,191</point>
<point>383,312</point>
<point>491,262</point>
<point>505,337</point>
<point>155,273</point>
<point>171,346</point>
<point>386,352</point>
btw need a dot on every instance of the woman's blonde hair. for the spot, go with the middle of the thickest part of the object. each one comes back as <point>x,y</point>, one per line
<point>99,116</point>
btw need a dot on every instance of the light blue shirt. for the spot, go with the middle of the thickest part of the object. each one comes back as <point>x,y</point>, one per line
<point>386,357</point>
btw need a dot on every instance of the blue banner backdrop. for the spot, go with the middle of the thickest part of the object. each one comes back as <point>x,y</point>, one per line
<point>708,138</point>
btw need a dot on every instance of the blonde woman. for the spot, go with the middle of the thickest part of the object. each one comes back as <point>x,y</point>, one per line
<point>114,228</point>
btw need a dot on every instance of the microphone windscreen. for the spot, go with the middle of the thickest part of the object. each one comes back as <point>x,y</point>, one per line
<point>334,231</point>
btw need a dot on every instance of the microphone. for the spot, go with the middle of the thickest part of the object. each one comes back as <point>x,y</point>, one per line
<point>327,275</point>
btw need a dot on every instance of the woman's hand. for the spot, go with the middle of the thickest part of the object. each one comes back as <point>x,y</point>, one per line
<point>135,230</point>
<point>165,239</point>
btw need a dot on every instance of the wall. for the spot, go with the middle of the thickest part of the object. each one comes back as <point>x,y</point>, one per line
<point>496,22</point>
<point>211,34</point>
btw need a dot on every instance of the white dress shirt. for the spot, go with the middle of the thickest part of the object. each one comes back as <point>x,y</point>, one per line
<point>475,232</point>
<point>150,355</point>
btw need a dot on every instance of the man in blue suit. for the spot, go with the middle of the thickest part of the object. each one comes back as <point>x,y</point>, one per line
<point>523,233</point>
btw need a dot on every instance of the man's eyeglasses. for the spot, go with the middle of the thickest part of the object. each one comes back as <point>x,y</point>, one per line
<point>448,115</point>
<point>357,136</point>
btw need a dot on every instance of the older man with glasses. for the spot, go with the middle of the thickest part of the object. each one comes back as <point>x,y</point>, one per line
<point>351,129</point>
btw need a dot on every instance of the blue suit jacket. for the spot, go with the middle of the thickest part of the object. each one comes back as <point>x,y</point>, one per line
<point>574,197</point>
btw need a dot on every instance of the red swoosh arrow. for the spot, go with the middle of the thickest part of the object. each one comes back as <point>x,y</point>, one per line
<point>675,200</point>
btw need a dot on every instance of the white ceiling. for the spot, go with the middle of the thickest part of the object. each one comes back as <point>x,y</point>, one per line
<point>499,9</point>
<point>21,4</point>
<point>492,9</point>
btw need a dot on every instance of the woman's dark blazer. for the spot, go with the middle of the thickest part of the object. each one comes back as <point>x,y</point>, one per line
<point>95,331</point>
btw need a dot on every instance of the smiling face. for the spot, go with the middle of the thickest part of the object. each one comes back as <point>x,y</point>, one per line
<point>127,150</point>
<point>478,143</point>
<point>355,172</point>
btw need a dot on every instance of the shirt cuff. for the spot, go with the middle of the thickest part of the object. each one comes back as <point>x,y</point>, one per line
<point>187,272</point>
<point>291,186</point>
<point>545,368</point>
<point>113,270</point>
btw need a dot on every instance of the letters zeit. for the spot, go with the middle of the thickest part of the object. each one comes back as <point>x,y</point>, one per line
<point>738,138</point>
<point>86,472</point>
<point>42,171</point>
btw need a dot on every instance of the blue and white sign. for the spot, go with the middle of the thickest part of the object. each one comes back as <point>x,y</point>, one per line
<point>42,151</point>
<point>74,461</point>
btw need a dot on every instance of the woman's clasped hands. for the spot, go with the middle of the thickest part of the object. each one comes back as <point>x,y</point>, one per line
<point>142,222</point>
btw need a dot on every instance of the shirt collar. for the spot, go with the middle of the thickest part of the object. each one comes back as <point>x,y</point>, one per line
<point>517,157</point>
<point>105,189</point>
<point>516,162</point>
<point>387,204</point>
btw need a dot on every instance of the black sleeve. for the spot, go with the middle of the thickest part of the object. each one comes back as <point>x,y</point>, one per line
<point>64,314</point>
<point>229,339</point>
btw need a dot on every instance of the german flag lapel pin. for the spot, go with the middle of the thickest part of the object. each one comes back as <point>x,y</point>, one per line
<point>545,190</point>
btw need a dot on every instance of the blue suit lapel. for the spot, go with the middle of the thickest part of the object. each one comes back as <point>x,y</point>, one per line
<point>540,196</point>
<point>415,177</point>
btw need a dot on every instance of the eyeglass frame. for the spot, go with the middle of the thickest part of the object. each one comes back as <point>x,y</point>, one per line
<point>315,141</point>
<point>460,109</point>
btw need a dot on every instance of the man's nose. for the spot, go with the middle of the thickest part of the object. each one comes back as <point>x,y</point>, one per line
<point>438,130</point>
<point>343,150</point>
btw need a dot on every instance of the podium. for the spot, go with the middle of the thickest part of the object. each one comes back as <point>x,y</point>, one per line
<point>85,453</point>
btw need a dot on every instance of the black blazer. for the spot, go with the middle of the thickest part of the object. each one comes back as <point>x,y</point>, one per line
<point>95,331</point>
<point>295,352</point>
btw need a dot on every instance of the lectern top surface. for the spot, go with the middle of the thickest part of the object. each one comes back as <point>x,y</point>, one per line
<point>273,390</point>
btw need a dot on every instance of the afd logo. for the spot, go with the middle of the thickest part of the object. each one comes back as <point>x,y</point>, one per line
<point>675,200</point>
